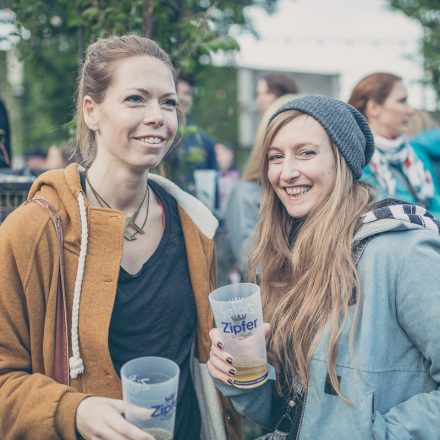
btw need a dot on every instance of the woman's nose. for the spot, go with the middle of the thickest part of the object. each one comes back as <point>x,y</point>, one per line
<point>153,115</point>
<point>290,171</point>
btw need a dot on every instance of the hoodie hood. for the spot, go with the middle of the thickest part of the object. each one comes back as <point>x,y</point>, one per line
<point>395,215</point>
<point>61,189</point>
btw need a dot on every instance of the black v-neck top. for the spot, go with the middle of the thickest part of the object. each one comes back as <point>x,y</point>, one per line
<point>154,314</point>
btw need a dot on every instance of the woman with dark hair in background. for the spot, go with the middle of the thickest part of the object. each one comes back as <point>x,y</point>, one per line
<point>271,87</point>
<point>396,170</point>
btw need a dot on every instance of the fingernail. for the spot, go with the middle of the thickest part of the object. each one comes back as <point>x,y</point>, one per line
<point>231,371</point>
<point>230,382</point>
<point>220,345</point>
<point>229,360</point>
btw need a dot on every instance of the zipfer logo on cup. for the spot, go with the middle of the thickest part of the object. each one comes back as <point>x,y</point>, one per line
<point>165,409</point>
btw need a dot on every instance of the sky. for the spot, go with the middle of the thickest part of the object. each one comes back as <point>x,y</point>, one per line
<point>349,37</point>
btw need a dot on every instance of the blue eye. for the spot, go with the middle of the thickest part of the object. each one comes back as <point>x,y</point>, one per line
<point>307,153</point>
<point>136,99</point>
<point>170,103</point>
<point>274,156</point>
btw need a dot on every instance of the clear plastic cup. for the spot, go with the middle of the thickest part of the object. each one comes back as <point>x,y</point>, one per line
<point>239,317</point>
<point>149,389</point>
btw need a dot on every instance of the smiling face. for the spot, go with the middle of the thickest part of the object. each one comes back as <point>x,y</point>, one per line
<point>301,165</point>
<point>136,123</point>
<point>391,118</point>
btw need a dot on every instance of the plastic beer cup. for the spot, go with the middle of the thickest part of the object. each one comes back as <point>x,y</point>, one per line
<point>149,389</point>
<point>239,317</point>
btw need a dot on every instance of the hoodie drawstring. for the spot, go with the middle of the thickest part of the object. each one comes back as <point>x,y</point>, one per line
<point>75,362</point>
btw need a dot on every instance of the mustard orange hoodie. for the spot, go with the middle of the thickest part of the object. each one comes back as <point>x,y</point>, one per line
<point>32,404</point>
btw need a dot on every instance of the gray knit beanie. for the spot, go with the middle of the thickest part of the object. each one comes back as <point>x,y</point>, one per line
<point>346,127</point>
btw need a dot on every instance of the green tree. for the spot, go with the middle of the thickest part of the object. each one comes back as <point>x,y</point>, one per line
<point>53,35</point>
<point>427,13</point>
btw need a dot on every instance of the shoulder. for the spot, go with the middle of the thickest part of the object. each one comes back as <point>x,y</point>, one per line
<point>199,214</point>
<point>404,247</point>
<point>22,233</point>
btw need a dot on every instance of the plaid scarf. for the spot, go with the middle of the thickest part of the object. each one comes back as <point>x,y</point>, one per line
<point>398,210</point>
<point>400,153</point>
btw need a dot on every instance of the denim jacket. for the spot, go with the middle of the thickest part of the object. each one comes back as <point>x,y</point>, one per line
<point>393,380</point>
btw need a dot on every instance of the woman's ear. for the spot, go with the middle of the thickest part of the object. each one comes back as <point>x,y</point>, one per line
<point>90,113</point>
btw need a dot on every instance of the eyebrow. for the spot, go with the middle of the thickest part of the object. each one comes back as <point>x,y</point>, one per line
<point>301,144</point>
<point>146,92</point>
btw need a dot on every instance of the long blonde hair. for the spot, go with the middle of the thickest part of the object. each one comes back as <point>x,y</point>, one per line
<point>309,284</point>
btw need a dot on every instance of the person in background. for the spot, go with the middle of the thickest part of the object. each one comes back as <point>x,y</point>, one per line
<point>138,264</point>
<point>396,170</point>
<point>196,150</point>
<point>227,176</point>
<point>35,162</point>
<point>56,157</point>
<point>424,137</point>
<point>242,209</point>
<point>271,87</point>
<point>5,139</point>
<point>350,288</point>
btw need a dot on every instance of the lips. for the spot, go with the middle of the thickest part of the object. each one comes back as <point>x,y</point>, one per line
<point>150,140</point>
<point>297,191</point>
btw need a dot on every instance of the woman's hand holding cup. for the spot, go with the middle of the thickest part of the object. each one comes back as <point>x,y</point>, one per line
<point>221,363</point>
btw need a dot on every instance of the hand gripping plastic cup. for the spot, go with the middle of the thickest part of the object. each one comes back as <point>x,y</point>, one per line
<point>149,388</point>
<point>239,317</point>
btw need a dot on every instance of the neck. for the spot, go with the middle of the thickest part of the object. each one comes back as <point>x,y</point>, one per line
<point>120,187</point>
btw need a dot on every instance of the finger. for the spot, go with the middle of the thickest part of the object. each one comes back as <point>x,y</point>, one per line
<point>218,374</point>
<point>222,355</point>
<point>216,339</point>
<point>223,366</point>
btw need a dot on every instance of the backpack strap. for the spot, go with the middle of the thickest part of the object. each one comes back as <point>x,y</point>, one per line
<point>61,357</point>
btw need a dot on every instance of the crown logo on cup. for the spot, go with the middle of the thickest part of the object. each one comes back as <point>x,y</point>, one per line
<point>170,397</point>
<point>238,317</point>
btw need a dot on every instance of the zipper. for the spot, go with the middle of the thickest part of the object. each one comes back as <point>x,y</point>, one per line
<point>298,416</point>
<point>303,408</point>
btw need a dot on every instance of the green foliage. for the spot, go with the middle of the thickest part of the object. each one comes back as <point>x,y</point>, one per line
<point>54,34</point>
<point>427,13</point>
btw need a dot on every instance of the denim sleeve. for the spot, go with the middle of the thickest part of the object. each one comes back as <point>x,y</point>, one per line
<point>261,404</point>
<point>418,311</point>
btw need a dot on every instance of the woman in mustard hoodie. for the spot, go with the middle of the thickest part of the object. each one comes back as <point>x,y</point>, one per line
<point>137,263</point>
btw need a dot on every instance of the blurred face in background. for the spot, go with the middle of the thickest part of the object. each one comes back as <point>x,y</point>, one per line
<point>264,96</point>
<point>185,95</point>
<point>391,118</point>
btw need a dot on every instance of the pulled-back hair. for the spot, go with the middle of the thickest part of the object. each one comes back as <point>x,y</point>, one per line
<point>376,86</point>
<point>280,83</point>
<point>96,75</point>
<point>307,285</point>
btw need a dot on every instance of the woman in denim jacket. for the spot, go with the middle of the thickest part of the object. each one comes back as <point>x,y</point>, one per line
<point>351,289</point>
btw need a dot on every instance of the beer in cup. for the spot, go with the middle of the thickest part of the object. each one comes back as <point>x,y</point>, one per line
<point>149,389</point>
<point>239,317</point>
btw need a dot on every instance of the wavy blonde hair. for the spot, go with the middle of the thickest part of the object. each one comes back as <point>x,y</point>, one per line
<point>308,285</point>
